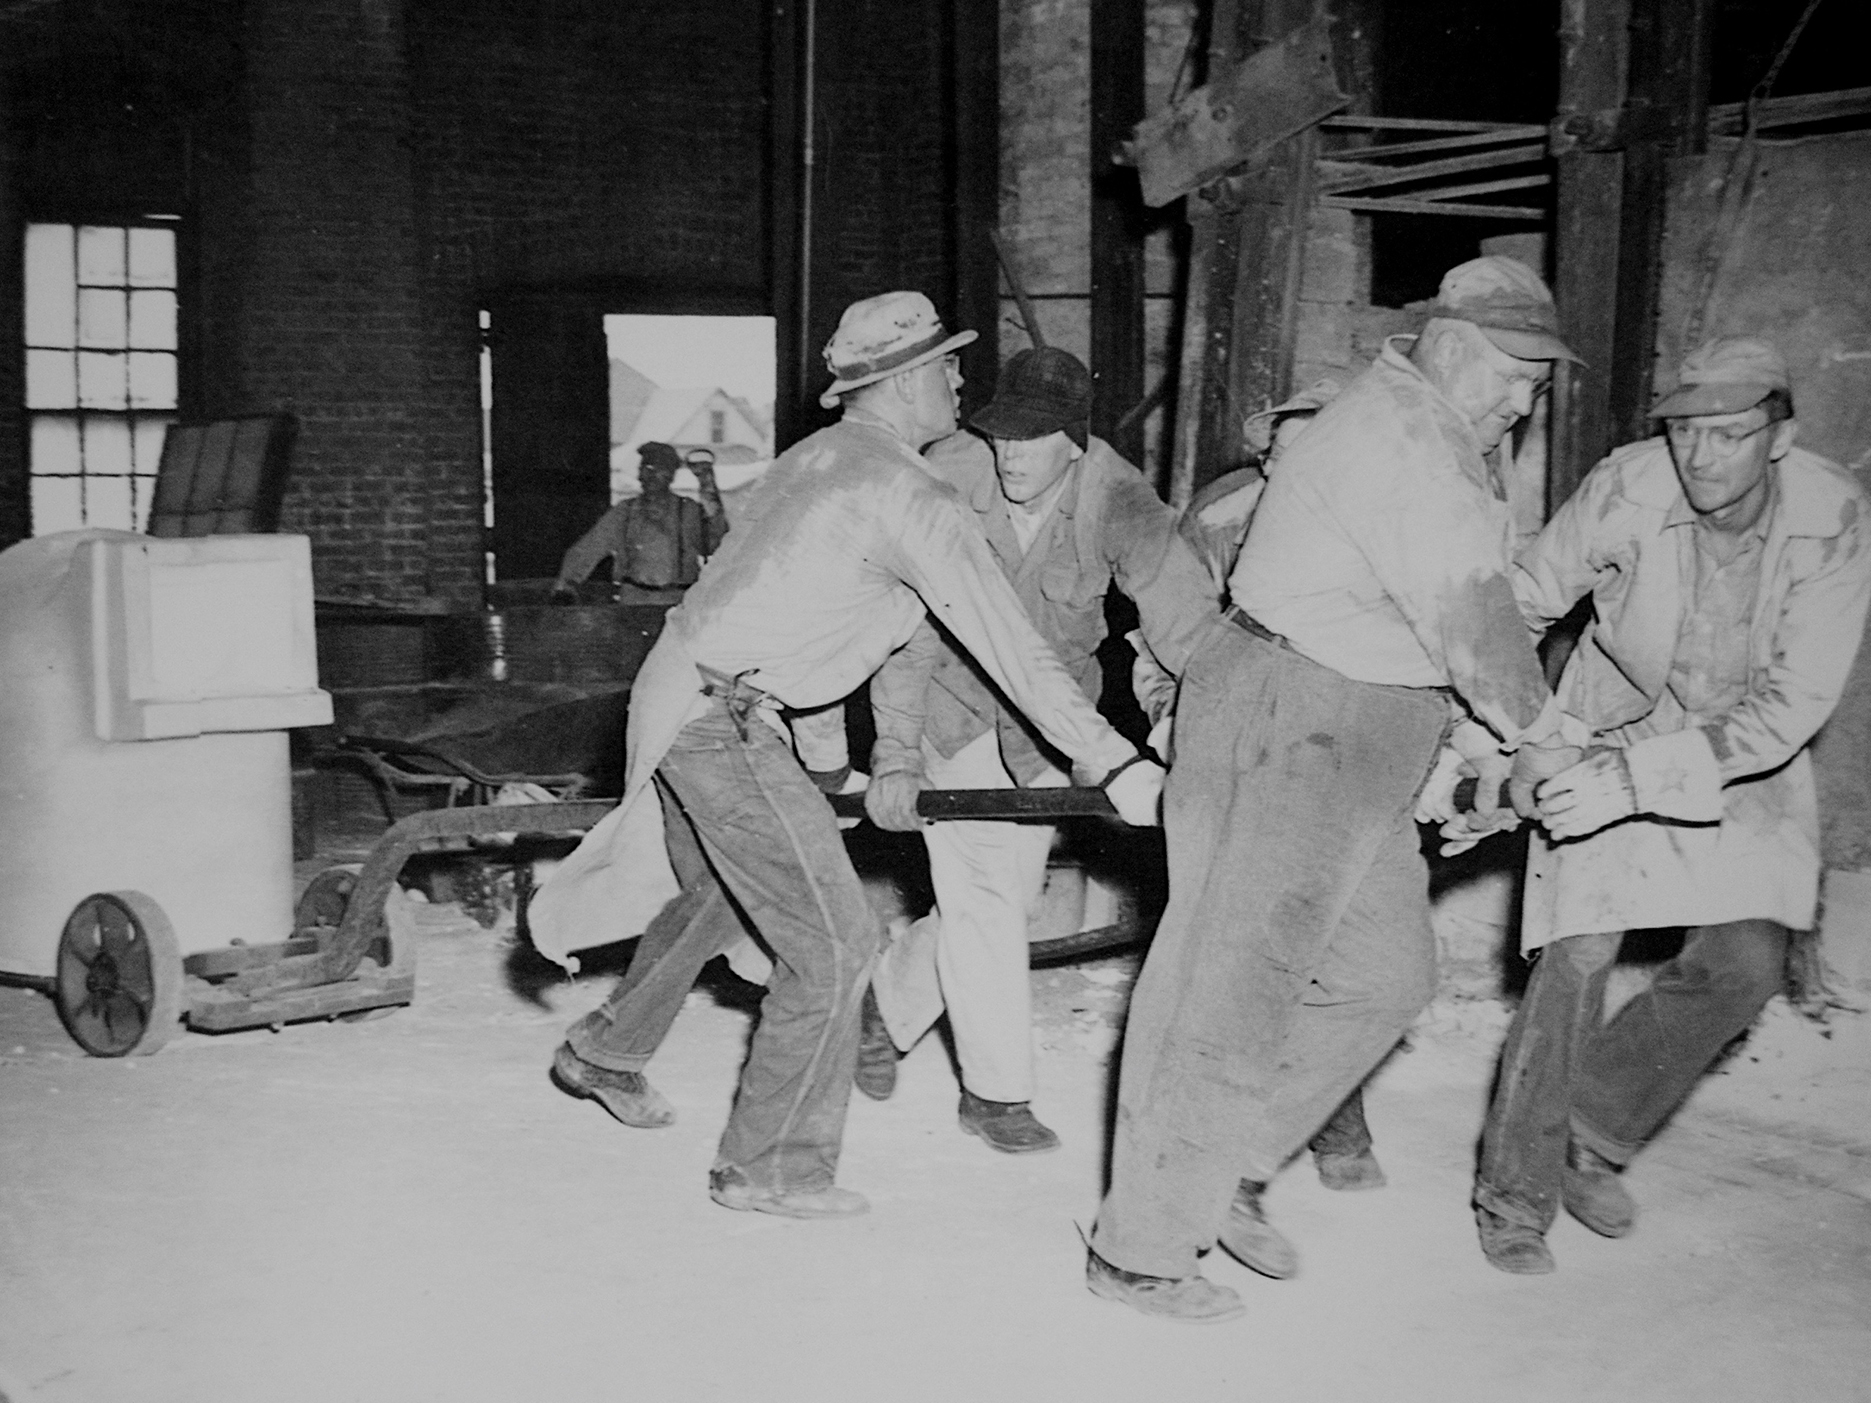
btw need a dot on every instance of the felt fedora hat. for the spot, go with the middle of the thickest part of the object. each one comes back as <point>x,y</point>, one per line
<point>883,336</point>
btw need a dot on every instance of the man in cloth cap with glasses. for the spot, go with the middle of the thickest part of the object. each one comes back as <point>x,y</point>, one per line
<point>848,543</point>
<point>1065,516</point>
<point>1729,573</point>
<point>1372,591</point>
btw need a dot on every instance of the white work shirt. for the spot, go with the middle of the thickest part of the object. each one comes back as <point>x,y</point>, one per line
<point>1381,549</point>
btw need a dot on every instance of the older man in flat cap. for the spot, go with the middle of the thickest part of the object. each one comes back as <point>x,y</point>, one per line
<point>848,544</point>
<point>1729,573</point>
<point>1296,947</point>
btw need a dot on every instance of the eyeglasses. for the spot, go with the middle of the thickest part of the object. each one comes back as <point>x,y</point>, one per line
<point>1724,439</point>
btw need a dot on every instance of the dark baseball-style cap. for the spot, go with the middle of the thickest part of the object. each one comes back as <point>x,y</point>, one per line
<point>1724,376</point>
<point>1041,391</point>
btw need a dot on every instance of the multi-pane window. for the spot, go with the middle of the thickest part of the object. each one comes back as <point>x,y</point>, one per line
<point>100,370</point>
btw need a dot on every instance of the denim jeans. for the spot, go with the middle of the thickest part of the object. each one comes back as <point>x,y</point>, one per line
<point>768,839</point>
<point>623,1033</point>
<point>1565,1072</point>
<point>1296,947</point>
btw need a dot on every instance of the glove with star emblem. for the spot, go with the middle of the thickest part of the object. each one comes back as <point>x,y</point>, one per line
<point>1673,776</point>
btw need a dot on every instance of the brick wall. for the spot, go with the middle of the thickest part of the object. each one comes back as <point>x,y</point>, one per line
<point>363,176</point>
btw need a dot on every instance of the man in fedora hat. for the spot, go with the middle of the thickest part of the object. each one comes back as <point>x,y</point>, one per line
<point>655,540</point>
<point>1296,946</point>
<point>1729,573</point>
<point>848,545</point>
<point>1065,517</point>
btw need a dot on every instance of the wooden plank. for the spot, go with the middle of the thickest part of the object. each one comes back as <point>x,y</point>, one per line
<point>1117,227</point>
<point>1365,154</point>
<point>1435,170</point>
<point>1232,120</point>
<point>1729,118</point>
<point>1484,187</point>
<point>1363,122</point>
<point>1399,205</point>
<point>232,959</point>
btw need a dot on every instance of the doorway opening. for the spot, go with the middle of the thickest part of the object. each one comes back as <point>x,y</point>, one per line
<point>703,384</point>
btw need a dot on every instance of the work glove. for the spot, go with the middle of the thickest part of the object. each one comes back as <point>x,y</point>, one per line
<point>1135,789</point>
<point>891,801</point>
<point>1436,804</point>
<point>1533,766</point>
<point>1672,776</point>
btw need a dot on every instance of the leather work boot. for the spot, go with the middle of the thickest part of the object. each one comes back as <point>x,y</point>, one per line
<point>1194,1299</point>
<point>1007,1126</point>
<point>1349,1172</point>
<point>728,1187</point>
<point>1592,1193</point>
<point>626,1095</point>
<point>876,1075</point>
<point>1252,1240</point>
<point>1511,1246</point>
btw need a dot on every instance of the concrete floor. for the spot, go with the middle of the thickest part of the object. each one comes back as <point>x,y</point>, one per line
<point>406,1209</point>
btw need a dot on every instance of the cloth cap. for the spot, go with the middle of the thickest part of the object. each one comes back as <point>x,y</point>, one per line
<point>1257,429</point>
<point>882,336</point>
<point>659,455</point>
<point>1724,376</point>
<point>1507,300</point>
<point>1041,391</point>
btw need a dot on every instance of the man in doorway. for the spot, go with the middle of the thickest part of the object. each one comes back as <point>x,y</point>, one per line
<point>1296,947</point>
<point>1729,573</point>
<point>1065,517</point>
<point>654,540</point>
<point>850,544</point>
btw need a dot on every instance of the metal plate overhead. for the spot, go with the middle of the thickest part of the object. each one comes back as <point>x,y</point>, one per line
<point>1276,92</point>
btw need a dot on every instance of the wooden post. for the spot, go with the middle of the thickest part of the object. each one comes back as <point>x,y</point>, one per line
<point>1670,61</point>
<point>789,283</point>
<point>1594,45</point>
<point>975,114</point>
<point>1117,291</point>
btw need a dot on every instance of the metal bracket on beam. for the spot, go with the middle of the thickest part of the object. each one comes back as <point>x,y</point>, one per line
<point>1614,128</point>
<point>1275,93</point>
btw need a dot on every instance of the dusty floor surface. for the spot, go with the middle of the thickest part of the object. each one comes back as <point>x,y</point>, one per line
<point>406,1209</point>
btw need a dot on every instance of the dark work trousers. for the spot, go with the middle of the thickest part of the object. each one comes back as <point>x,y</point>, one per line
<point>768,836</point>
<point>1346,1132</point>
<point>1566,1072</point>
<point>1296,947</point>
<point>623,1033</point>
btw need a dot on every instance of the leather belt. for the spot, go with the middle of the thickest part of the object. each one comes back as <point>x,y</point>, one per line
<point>1241,619</point>
<point>740,696</point>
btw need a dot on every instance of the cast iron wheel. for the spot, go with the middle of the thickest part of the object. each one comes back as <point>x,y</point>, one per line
<point>119,976</point>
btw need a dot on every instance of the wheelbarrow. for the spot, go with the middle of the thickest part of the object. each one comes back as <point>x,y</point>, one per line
<point>344,906</point>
